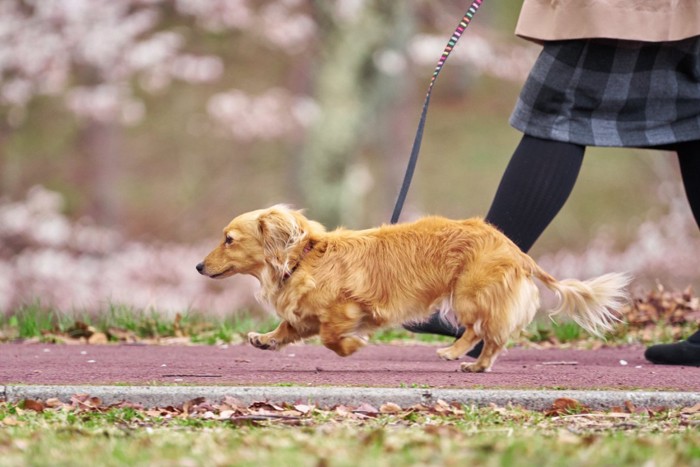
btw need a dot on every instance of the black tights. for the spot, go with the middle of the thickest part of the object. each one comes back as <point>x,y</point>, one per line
<point>534,187</point>
<point>689,161</point>
<point>541,175</point>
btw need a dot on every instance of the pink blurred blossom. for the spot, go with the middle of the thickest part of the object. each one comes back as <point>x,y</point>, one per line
<point>663,249</point>
<point>480,53</point>
<point>218,15</point>
<point>273,114</point>
<point>91,50</point>
<point>82,267</point>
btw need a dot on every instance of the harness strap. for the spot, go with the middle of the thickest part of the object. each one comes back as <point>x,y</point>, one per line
<point>421,124</point>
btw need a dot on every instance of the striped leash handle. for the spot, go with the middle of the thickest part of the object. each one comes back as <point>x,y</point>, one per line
<point>461,27</point>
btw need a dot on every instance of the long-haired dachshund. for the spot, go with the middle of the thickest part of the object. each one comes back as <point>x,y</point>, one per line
<point>343,284</point>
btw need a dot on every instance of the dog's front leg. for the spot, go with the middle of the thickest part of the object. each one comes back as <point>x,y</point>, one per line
<point>283,335</point>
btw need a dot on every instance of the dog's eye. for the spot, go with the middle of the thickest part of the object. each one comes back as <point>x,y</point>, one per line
<point>228,240</point>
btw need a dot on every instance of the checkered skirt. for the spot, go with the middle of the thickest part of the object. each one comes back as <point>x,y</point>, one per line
<point>613,93</point>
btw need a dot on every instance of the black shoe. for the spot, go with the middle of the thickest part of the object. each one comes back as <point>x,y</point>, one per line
<point>679,353</point>
<point>476,351</point>
<point>436,325</point>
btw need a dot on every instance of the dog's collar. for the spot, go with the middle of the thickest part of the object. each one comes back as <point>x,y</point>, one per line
<point>307,248</point>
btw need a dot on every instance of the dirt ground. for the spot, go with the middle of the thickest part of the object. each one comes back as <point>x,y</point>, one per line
<point>305,364</point>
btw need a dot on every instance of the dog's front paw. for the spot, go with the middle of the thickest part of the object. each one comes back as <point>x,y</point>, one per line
<point>448,353</point>
<point>473,367</point>
<point>261,341</point>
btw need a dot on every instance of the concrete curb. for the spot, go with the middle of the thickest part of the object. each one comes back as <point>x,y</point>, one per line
<point>163,396</point>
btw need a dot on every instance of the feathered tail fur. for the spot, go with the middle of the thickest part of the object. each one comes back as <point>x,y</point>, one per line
<point>591,303</point>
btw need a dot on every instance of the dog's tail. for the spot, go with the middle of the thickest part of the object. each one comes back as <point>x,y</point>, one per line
<point>592,303</point>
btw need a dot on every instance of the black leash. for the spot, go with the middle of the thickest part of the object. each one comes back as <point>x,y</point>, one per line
<point>421,124</point>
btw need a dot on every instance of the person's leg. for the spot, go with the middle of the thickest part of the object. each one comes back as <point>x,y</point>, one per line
<point>534,187</point>
<point>536,184</point>
<point>684,352</point>
<point>689,161</point>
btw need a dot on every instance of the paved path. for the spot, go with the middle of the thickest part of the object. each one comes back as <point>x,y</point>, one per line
<point>306,364</point>
<point>390,367</point>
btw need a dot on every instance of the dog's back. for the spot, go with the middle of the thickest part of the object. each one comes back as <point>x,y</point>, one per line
<point>406,270</point>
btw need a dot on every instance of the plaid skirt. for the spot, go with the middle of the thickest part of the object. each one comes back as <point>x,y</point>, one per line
<point>613,93</point>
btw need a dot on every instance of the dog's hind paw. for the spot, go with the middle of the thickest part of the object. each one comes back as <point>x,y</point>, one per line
<point>447,354</point>
<point>473,367</point>
<point>261,342</point>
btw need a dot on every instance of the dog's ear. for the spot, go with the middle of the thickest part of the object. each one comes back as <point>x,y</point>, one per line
<point>280,231</point>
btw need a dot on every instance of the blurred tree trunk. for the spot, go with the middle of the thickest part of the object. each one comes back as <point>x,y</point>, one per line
<point>99,170</point>
<point>349,90</point>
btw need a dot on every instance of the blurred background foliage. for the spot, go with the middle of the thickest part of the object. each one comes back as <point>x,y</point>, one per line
<point>162,119</point>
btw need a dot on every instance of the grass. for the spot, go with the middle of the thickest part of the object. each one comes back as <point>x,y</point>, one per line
<point>563,332</point>
<point>121,323</point>
<point>33,321</point>
<point>439,435</point>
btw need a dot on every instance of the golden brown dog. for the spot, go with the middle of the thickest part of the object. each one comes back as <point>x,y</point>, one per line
<point>343,284</point>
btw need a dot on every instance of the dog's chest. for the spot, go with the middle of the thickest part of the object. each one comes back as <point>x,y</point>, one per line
<point>291,300</point>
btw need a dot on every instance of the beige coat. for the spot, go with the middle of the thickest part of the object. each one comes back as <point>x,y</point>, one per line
<point>645,20</point>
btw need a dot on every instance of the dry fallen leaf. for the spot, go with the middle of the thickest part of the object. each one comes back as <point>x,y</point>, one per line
<point>418,408</point>
<point>53,403</point>
<point>390,407</point>
<point>36,406</point>
<point>565,405</point>
<point>366,409</point>
<point>303,408</point>
<point>691,410</point>
<point>441,406</point>
<point>343,411</point>
<point>121,335</point>
<point>189,405</point>
<point>233,402</point>
<point>672,307</point>
<point>98,338</point>
<point>84,401</point>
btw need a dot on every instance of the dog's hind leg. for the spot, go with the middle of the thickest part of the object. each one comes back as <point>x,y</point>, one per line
<point>470,310</point>
<point>461,346</point>
<point>284,334</point>
<point>486,358</point>
<point>511,305</point>
<point>492,299</point>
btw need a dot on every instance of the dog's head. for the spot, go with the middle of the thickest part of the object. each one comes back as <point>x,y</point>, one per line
<point>267,239</point>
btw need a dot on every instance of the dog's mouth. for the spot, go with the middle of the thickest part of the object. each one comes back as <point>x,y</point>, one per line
<point>222,275</point>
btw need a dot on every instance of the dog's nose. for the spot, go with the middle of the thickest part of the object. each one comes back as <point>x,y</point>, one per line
<point>200,268</point>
